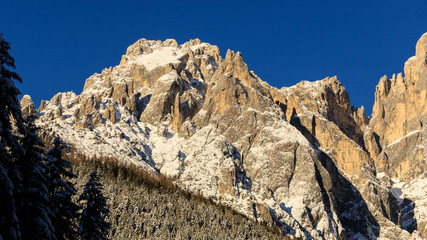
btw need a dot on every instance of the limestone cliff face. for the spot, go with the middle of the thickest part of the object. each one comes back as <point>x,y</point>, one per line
<point>399,117</point>
<point>322,112</point>
<point>396,134</point>
<point>27,105</point>
<point>300,157</point>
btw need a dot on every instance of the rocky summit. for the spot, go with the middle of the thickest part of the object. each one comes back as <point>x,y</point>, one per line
<point>301,158</point>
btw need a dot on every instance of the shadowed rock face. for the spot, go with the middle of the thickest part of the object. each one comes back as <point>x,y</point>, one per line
<point>321,110</point>
<point>300,157</point>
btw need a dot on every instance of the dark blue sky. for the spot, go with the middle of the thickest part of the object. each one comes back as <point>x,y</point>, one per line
<point>58,44</point>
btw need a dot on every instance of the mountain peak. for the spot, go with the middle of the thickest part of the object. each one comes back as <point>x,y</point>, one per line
<point>297,157</point>
<point>151,53</point>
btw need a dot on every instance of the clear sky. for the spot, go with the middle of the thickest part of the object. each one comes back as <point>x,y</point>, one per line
<point>58,44</point>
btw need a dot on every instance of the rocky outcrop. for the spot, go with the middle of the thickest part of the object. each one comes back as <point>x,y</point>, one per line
<point>400,102</point>
<point>300,157</point>
<point>321,110</point>
<point>396,134</point>
<point>27,106</point>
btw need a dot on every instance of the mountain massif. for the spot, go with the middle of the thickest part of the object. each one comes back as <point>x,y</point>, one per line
<point>301,158</point>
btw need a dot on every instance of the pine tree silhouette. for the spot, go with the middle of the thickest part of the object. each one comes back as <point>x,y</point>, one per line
<point>34,212</point>
<point>92,220</point>
<point>10,149</point>
<point>60,192</point>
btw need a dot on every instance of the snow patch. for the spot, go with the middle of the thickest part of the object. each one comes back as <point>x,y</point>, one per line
<point>406,136</point>
<point>416,191</point>
<point>159,57</point>
<point>162,56</point>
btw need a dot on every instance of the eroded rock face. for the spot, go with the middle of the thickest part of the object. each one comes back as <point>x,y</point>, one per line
<point>27,106</point>
<point>322,112</point>
<point>300,157</point>
<point>399,117</point>
<point>396,134</point>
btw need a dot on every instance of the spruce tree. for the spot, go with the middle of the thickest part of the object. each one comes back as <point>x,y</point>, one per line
<point>9,228</point>
<point>60,192</point>
<point>92,219</point>
<point>10,149</point>
<point>34,212</point>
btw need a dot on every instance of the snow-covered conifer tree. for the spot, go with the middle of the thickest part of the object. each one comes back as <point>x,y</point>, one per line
<point>33,205</point>
<point>60,192</point>
<point>9,228</point>
<point>10,149</point>
<point>92,219</point>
